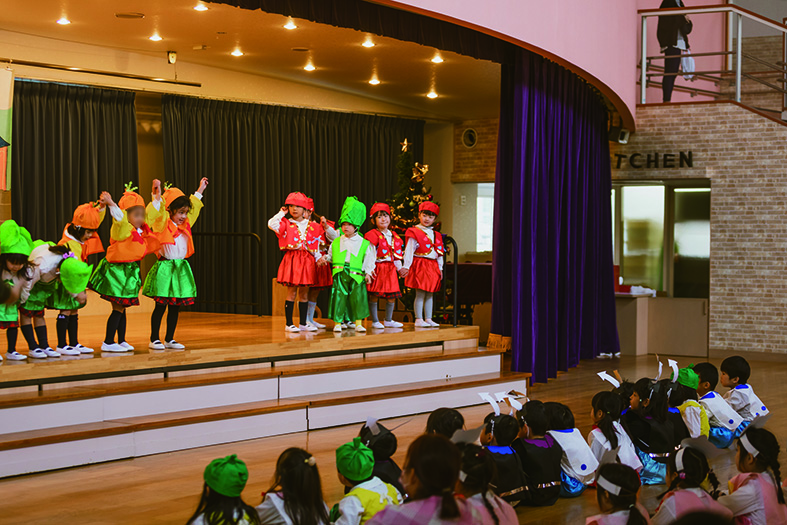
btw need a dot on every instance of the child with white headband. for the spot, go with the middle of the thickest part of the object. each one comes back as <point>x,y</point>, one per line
<point>617,488</point>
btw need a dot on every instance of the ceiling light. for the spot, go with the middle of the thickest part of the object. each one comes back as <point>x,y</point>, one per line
<point>130,16</point>
<point>237,53</point>
<point>64,21</point>
<point>309,66</point>
<point>368,42</point>
<point>155,37</point>
<point>200,7</point>
<point>432,94</point>
<point>437,59</point>
<point>374,80</point>
<point>290,24</point>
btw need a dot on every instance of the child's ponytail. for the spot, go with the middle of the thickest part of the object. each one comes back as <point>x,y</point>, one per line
<point>620,478</point>
<point>609,404</point>
<point>768,454</point>
<point>436,462</point>
<point>692,469</point>
<point>478,473</point>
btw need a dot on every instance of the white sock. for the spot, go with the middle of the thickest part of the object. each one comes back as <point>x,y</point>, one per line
<point>310,312</point>
<point>389,308</point>
<point>428,306</point>
<point>418,305</point>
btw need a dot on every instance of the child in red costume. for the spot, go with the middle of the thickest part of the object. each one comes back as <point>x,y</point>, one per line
<point>423,262</point>
<point>323,279</point>
<point>299,239</point>
<point>390,252</point>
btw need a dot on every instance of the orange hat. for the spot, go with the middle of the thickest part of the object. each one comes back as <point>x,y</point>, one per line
<point>170,194</point>
<point>87,216</point>
<point>297,198</point>
<point>429,206</point>
<point>380,206</point>
<point>130,198</point>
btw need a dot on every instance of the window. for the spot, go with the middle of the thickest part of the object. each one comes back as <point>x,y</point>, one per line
<point>485,210</point>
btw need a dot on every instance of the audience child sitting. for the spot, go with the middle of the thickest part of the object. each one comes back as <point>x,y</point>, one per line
<point>756,496</point>
<point>445,421</point>
<point>225,479</point>
<point>578,464</point>
<point>476,478</point>
<point>540,455</point>
<point>497,436</point>
<point>368,495</point>
<point>650,430</point>
<point>735,372</point>
<point>430,473</point>
<point>679,429</point>
<point>725,423</point>
<point>617,488</point>
<point>383,444</point>
<point>296,493</point>
<point>607,433</point>
<point>687,472</point>
<point>684,398</point>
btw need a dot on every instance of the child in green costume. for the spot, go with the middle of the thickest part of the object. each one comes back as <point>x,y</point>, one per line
<point>15,248</point>
<point>353,259</point>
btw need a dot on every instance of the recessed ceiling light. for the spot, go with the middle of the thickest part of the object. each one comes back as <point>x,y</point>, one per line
<point>74,68</point>
<point>309,67</point>
<point>374,80</point>
<point>200,7</point>
<point>64,21</point>
<point>368,42</point>
<point>437,59</point>
<point>290,24</point>
<point>159,79</point>
<point>237,53</point>
<point>155,37</point>
<point>432,94</point>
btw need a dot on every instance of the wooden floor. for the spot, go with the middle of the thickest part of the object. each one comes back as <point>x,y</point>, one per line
<point>165,488</point>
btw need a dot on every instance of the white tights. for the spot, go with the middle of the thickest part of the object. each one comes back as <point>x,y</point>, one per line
<point>423,304</point>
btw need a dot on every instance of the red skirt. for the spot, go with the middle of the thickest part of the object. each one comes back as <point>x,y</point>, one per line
<point>323,277</point>
<point>173,301</point>
<point>125,302</point>
<point>424,275</point>
<point>5,325</point>
<point>297,268</point>
<point>386,281</point>
<point>31,313</point>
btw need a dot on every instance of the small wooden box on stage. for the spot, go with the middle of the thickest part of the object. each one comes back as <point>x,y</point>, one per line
<point>241,377</point>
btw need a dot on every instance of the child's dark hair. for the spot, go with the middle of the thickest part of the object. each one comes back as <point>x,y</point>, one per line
<point>656,394</point>
<point>624,392</point>
<point>179,203</point>
<point>436,462</point>
<point>535,417</point>
<point>768,454</point>
<point>445,421</point>
<point>78,232</point>
<point>299,480</point>
<point>736,366</point>
<point>695,470</point>
<point>428,213</point>
<point>480,471</point>
<point>609,404</point>
<point>707,372</point>
<point>679,394</point>
<point>503,428</point>
<point>17,258</point>
<point>383,445</point>
<point>559,415</point>
<point>217,509</point>
<point>627,479</point>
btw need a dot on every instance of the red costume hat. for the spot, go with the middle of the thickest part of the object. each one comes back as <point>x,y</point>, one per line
<point>380,206</point>
<point>310,204</point>
<point>297,198</point>
<point>429,206</point>
<point>87,216</point>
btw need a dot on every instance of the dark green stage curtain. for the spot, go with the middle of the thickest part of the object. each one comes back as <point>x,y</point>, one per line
<point>254,155</point>
<point>70,143</point>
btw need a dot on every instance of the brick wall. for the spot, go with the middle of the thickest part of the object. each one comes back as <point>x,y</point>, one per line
<point>475,164</point>
<point>768,48</point>
<point>745,156</point>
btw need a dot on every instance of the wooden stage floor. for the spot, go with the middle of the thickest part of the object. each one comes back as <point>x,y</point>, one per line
<point>216,339</point>
<point>165,488</point>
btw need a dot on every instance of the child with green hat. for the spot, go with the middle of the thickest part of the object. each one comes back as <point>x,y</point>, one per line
<point>353,259</point>
<point>684,398</point>
<point>225,478</point>
<point>368,494</point>
<point>15,248</point>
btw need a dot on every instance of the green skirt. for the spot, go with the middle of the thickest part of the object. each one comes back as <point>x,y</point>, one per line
<point>348,299</point>
<point>170,278</point>
<point>40,295</point>
<point>62,299</point>
<point>116,279</point>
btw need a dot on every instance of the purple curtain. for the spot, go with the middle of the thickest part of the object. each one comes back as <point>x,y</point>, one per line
<point>553,290</point>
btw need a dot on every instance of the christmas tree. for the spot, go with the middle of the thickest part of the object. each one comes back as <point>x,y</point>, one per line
<point>412,191</point>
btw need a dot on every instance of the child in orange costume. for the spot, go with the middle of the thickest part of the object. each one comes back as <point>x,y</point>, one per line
<point>385,281</point>
<point>117,277</point>
<point>423,262</point>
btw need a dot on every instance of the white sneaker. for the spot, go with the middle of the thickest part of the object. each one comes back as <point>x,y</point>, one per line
<point>604,355</point>
<point>174,345</point>
<point>318,325</point>
<point>338,327</point>
<point>351,325</point>
<point>314,326</point>
<point>51,353</point>
<point>360,328</point>
<point>308,328</point>
<point>37,354</point>
<point>83,349</point>
<point>15,356</point>
<point>156,345</point>
<point>432,323</point>
<point>292,328</point>
<point>127,346</point>
<point>420,323</point>
<point>392,324</point>
<point>344,326</point>
<point>67,350</point>
<point>112,347</point>
<point>378,325</point>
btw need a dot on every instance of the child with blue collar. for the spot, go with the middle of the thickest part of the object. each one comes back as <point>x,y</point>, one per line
<point>684,397</point>
<point>499,432</point>
<point>735,372</point>
<point>578,465</point>
<point>725,423</point>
